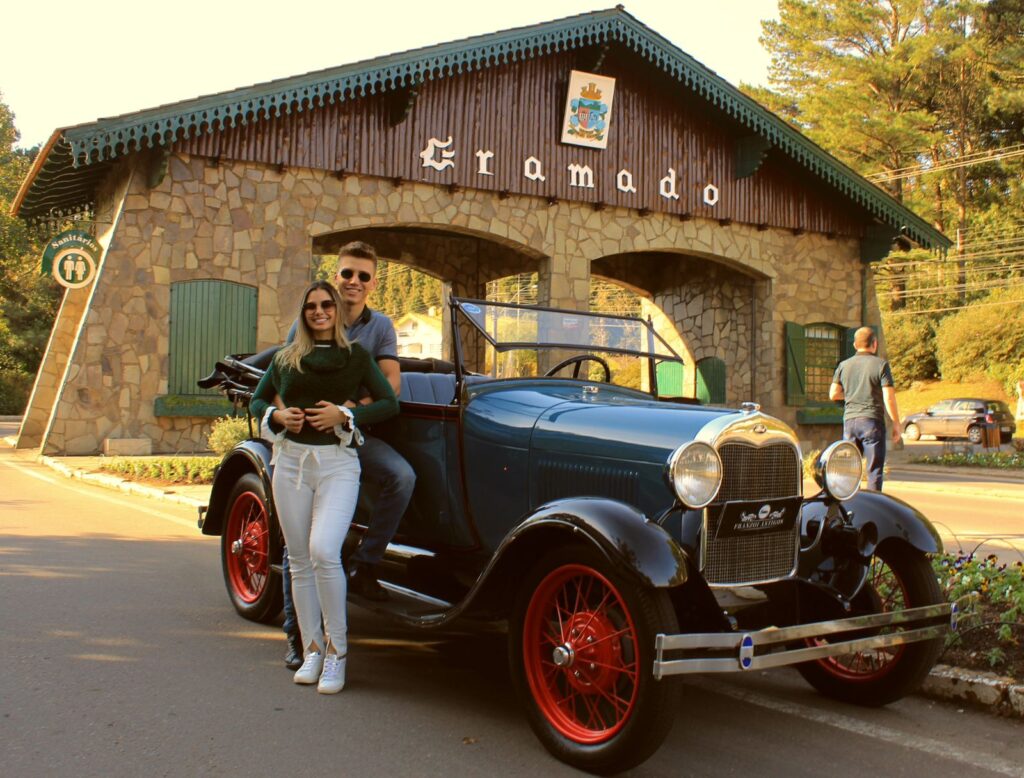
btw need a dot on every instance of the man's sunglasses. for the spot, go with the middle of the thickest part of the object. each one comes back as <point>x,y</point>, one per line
<point>327,305</point>
<point>348,272</point>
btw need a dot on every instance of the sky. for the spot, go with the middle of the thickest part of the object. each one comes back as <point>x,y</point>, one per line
<point>64,63</point>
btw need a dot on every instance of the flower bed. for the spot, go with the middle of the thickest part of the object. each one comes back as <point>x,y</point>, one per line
<point>991,633</point>
<point>164,470</point>
<point>995,459</point>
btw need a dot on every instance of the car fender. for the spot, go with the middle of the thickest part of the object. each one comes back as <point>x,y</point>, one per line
<point>249,456</point>
<point>892,518</point>
<point>637,546</point>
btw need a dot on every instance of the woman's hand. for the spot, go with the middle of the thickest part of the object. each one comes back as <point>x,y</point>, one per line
<point>325,416</point>
<point>291,419</point>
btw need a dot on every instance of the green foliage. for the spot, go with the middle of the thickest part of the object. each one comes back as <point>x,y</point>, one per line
<point>982,338</point>
<point>810,459</point>
<point>990,595</point>
<point>910,348</point>
<point>177,470</point>
<point>28,301</point>
<point>226,433</point>
<point>994,459</point>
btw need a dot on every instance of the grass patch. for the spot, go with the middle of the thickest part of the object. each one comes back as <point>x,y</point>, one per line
<point>995,459</point>
<point>171,470</point>
<point>991,633</point>
<point>923,394</point>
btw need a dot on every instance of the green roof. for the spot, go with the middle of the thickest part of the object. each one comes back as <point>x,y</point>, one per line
<point>57,183</point>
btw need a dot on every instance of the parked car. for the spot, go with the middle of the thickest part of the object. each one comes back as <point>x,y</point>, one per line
<point>624,540</point>
<point>961,418</point>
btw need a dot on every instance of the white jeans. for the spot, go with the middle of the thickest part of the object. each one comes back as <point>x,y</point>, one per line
<point>315,491</point>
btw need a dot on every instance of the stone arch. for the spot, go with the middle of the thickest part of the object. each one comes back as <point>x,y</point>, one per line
<point>717,306</point>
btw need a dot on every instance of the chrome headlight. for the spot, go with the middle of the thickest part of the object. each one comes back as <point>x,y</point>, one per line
<point>695,470</point>
<point>839,470</point>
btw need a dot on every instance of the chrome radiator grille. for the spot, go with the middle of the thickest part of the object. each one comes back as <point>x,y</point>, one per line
<point>751,473</point>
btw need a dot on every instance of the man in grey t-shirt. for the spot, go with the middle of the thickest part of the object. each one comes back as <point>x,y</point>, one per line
<point>864,382</point>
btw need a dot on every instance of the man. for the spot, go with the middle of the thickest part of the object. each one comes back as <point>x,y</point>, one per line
<point>864,382</point>
<point>356,278</point>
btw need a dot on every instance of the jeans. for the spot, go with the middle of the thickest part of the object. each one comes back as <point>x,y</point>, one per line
<point>315,491</point>
<point>869,435</point>
<point>385,467</point>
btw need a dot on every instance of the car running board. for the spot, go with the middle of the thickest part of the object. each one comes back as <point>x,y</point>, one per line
<point>729,652</point>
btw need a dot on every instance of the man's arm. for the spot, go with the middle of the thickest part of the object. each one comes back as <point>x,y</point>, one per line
<point>393,372</point>
<point>889,398</point>
<point>835,392</point>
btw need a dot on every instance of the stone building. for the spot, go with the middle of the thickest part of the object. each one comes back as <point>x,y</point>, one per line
<point>584,147</point>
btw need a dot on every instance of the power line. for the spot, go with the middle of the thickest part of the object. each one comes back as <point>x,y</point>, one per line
<point>954,163</point>
<point>954,308</point>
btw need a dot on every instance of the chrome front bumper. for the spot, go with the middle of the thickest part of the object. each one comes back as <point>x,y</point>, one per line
<point>729,652</point>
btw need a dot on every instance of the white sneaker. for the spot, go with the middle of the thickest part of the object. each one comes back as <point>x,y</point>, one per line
<point>332,679</point>
<point>310,669</point>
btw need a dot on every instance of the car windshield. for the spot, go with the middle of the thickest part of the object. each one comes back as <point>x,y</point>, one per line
<point>522,341</point>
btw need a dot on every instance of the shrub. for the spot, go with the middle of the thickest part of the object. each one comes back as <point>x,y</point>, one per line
<point>15,387</point>
<point>178,470</point>
<point>981,339</point>
<point>910,348</point>
<point>810,458</point>
<point>996,459</point>
<point>226,433</point>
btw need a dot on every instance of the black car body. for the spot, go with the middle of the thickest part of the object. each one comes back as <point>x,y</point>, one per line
<point>963,417</point>
<point>624,540</point>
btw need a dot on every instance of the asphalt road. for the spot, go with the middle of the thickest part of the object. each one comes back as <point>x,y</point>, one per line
<point>121,655</point>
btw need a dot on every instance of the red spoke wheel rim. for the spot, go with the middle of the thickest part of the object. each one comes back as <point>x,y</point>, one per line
<point>580,653</point>
<point>248,550</point>
<point>888,593</point>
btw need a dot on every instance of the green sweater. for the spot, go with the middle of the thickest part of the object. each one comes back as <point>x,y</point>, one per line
<point>329,373</point>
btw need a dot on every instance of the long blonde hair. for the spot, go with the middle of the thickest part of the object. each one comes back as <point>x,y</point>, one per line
<point>304,342</point>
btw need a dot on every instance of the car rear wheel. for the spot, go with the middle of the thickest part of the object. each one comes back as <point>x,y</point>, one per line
<point>900,577</point>
<point>248,546</point>
<point>974,434</point>
<point>912,432</point>
<point>582,650</point>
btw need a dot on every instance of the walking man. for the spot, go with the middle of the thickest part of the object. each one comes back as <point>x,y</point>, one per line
<point>864,383</point>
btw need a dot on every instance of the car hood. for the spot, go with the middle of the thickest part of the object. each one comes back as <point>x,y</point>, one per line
<point>621,429</point>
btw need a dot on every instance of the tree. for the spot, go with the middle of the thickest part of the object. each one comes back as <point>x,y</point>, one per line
<point>28,301</point>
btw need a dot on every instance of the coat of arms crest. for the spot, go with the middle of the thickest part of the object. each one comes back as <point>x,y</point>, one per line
<point>588,110</point>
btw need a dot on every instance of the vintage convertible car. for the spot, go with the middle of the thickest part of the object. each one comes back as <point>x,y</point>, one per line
<point>624,539</point>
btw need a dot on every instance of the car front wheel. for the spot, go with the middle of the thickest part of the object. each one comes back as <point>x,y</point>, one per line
<point>582,651</point>
<point>913,432</point>
<point>900,577</point>
<point>248,546</point>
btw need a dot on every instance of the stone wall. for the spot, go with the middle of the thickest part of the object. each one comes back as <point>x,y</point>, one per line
<point>259,225</point>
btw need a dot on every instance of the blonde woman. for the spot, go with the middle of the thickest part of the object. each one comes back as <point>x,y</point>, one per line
<point>316,470</point>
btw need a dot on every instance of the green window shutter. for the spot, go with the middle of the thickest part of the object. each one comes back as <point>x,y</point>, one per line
<point>796,364</point>
<point>848,349</point>
<point>670,379</point>
<point>711,381</point>
<point>208,320</point>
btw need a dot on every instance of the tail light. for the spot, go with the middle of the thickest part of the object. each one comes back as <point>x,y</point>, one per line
<point>989,418</point>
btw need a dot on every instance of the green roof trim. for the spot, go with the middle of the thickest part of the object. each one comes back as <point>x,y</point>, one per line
<point>106,139</point>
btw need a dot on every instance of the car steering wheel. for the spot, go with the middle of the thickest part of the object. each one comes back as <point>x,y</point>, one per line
<point>578,360</point>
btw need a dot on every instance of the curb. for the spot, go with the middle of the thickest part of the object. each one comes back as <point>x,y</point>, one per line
<point>998,694</point>
<point>11,418</point>
<point>121,484</point>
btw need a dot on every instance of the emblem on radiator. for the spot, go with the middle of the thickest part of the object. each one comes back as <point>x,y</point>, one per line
<point>760,429</point>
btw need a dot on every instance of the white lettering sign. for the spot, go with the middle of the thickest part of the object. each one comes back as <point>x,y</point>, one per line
<point>711,194</point>
<point>429,154</point>
<point>581,176</point>
<point>624,181</point>
<point>667,186</point>
<point>483,162</point>
<point>533,169</point>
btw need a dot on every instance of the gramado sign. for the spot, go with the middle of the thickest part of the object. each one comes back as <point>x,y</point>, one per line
<point>440,155</point>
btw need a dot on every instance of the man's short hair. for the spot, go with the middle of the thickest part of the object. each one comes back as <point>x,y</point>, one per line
<point>864,338</point>
<point>359,250</point>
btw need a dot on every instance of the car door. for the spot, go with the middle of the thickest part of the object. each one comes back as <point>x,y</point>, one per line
<point>962,416</point>
<point>934,419</point>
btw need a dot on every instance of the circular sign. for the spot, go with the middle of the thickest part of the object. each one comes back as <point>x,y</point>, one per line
<point>73,268</point>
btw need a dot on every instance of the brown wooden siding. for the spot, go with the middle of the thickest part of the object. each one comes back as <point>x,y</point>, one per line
<point>516,110</point>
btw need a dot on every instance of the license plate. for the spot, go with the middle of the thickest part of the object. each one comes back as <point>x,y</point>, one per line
<point>756,517</point>
<point>1005,429</point>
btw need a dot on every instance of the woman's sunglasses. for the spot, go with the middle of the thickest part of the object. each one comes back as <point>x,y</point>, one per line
<point>348,272</point>
<point>327,305</point>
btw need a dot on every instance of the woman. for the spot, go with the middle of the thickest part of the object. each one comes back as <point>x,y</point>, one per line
<point>316,472</point>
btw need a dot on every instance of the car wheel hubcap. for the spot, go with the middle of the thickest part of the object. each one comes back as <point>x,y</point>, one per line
<point>248,561</point>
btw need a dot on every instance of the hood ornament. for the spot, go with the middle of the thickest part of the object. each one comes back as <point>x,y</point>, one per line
<point>750,407</point>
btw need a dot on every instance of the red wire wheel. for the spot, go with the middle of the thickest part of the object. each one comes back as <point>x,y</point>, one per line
<point>249,544</point>
<point>899,577</point>
<point>580,650</point>
<point>248,558</point>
